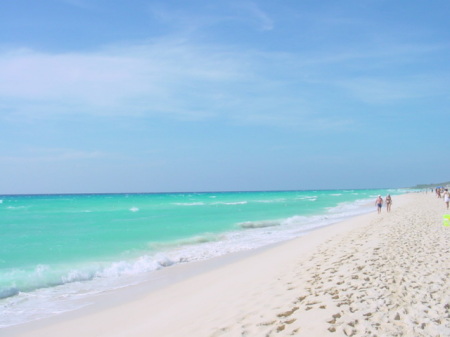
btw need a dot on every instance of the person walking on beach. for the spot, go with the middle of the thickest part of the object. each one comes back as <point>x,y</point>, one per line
<point>446,197</point>
<point>379,203</point>
<point>388,202</point>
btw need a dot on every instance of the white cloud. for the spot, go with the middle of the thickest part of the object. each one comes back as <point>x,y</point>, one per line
<point>257,15</point>
<point>174,78</point>
<point>178,79</point>
<point>118,80</point>
<point>213,16</point>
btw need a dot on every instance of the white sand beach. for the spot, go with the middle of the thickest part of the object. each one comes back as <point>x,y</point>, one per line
<point>373,275</point>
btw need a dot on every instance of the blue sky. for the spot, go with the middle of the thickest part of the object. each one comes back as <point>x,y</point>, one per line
<point>153,96</point>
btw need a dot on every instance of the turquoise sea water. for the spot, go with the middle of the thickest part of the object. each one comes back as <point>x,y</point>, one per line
<point>55,249</point>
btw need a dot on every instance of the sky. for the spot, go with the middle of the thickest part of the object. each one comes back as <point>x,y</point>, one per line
<point>112,96</point>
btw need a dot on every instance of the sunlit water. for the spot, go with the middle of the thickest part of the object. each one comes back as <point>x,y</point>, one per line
<point>58,249</point>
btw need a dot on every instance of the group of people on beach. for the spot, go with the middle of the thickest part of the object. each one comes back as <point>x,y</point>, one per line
<point>379,203</point>
<point>440,193</point>
<point>443,193</point>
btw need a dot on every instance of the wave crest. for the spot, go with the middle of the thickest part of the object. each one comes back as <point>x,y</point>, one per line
<point>259,224</point>
<point>189,203</point>
<point>8,292</point>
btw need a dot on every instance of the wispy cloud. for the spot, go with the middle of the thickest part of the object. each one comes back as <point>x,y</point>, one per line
<point>119,80</point>
<point>174,78</point>
<point>177,78</point>
<point>250,11</point>
<point>217,15</point>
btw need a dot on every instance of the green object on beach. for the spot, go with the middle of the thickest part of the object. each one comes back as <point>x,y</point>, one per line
<point>446,222</point>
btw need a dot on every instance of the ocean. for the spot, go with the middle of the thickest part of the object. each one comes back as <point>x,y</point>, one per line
<point>57,251</point>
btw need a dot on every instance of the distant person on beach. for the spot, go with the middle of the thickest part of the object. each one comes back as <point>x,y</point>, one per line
<point>379,203</point>
<point>446,197</point>
<point>388,202</point>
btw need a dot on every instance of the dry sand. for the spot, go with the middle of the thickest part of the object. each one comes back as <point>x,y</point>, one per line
<point>373,275</point>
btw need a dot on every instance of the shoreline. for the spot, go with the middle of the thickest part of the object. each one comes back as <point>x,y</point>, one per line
<point>70,296</point>
<point>277,290</point>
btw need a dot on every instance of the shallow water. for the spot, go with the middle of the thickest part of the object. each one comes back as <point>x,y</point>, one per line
<point>58,249</point>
